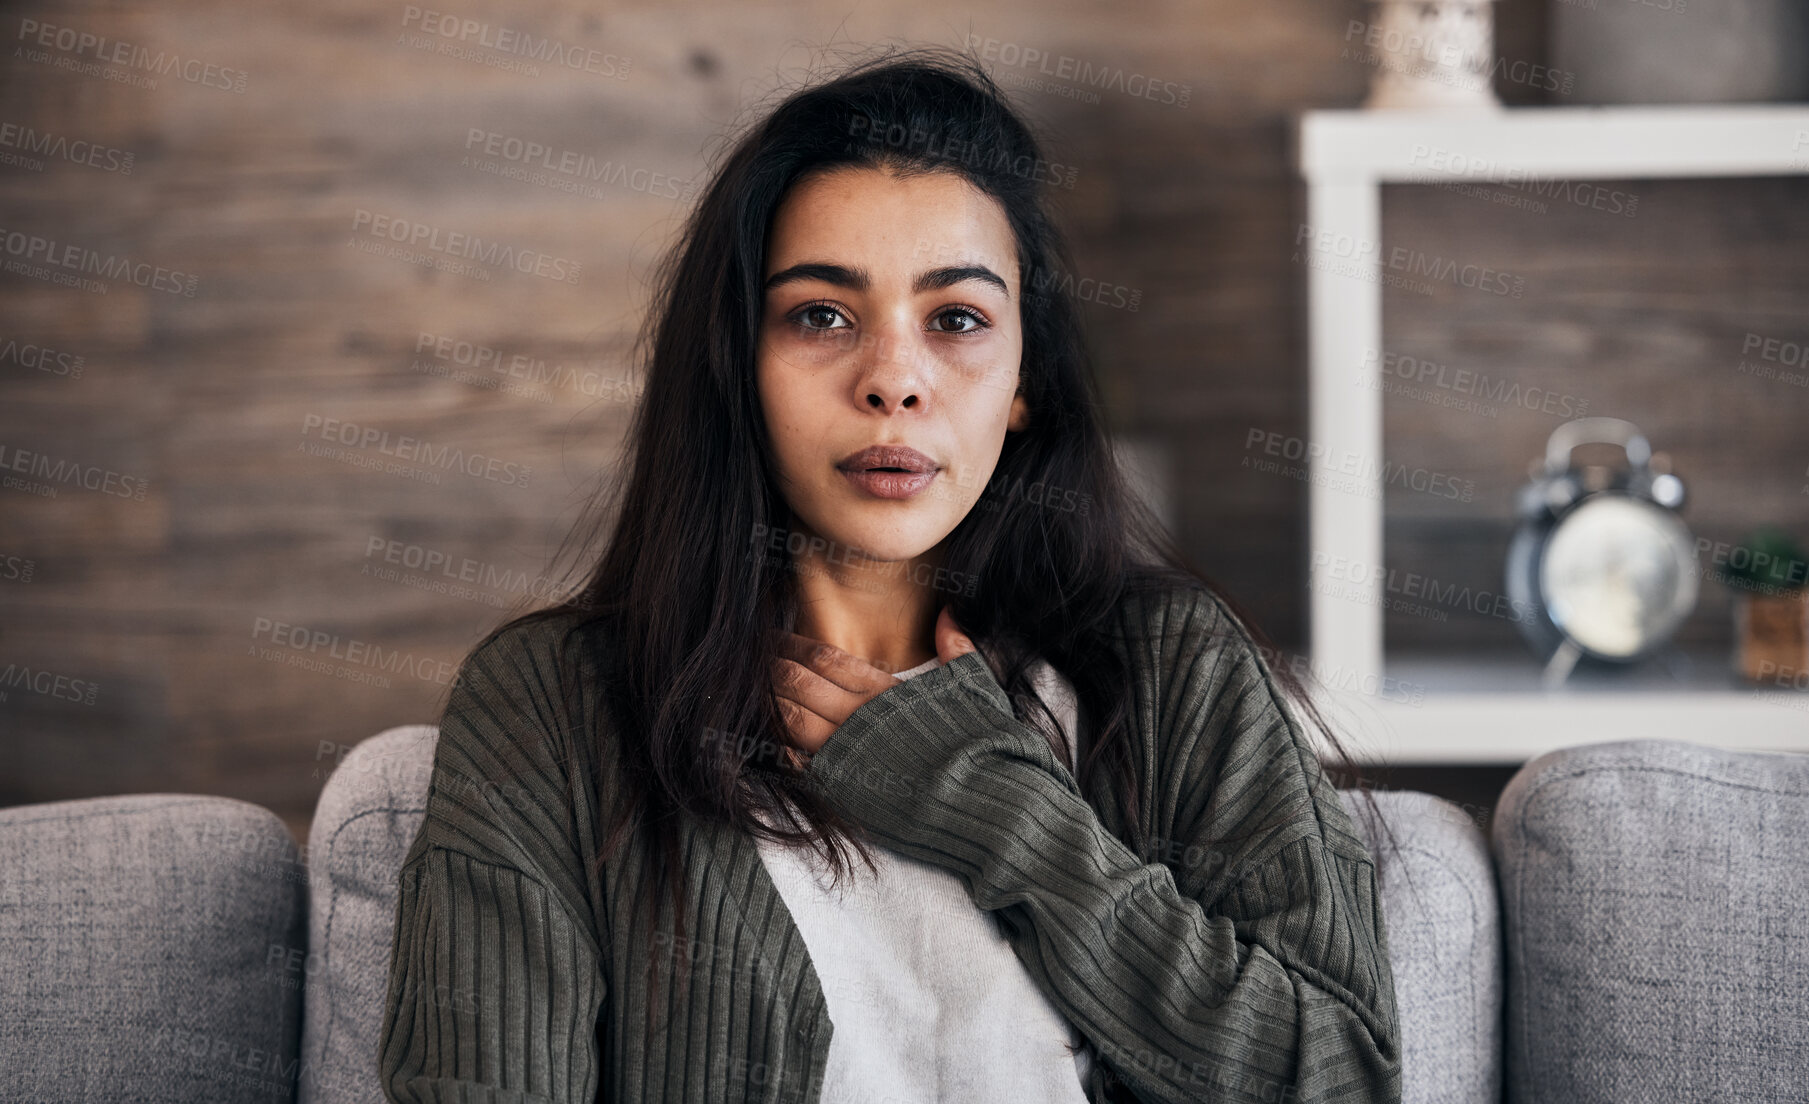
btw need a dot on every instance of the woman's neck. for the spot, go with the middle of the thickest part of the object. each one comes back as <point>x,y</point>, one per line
<point>892,627</point>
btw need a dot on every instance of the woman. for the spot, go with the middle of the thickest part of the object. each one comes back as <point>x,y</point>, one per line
<point>875,582</point>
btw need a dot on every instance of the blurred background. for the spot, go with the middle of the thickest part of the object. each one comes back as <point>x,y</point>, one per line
<point>271,471</point>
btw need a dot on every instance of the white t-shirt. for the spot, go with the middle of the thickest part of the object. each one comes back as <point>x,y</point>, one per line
<point>930,1003</point>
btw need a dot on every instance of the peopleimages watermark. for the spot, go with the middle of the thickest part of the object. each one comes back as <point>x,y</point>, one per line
<point>719,958</point>
<point>1089,77</point>
<point>1039,282</point>
<point>1459,388</point>
<point>1335,676</point>
<point>1002,490</point>
<point>1358,257</point>
<point>1447,62</point>
<point>24,146</point>
<point>451,784</point>
<point>1775,359</point>
<point>230,1059</point>
<point>1361,470</point>
<point>1452,812</point>
<point>417,236</point>
<point>256,849</point>
<point>408,451</point>
<point>1198,854</point>
<point>16,569</point>
<point>1784,675</point>
<point>66,263</point>
<point>1354,580</point>
<point>1386,602</point>
<point>46,475</point>
<point>42,358</point>
<point>460,35</point>
<point>1783,577</point>
<point>877,131</point>
<point>48,684</point>
<point>565,170</point>
<point>1675,7</point>
<point>106,53</point>
<point>491,368</point>
<point>1227,1077</point>
<point>342,657</point>
<point>1578,193</point>
<point>434,571</point>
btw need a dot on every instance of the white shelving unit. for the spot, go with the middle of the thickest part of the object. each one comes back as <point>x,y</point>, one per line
<point>1481,711</point>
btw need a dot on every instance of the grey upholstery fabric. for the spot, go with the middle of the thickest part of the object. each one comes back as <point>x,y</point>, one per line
<point>152,948</point>
<point>1654,893</point>
<point>1444,943</point>
<point>1444,939</point>
<point>157,947</point>
<point>367,816</point>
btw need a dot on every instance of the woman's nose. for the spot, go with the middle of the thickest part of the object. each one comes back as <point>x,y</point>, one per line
<point>893,359</point>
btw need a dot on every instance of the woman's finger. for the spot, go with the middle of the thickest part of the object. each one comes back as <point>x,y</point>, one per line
<point>808,731</point>
<point>951,641</point>
<point>815,693</point>
<point>836,666</point>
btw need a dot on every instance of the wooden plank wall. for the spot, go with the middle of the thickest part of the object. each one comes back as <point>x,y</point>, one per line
<point>260,325</point>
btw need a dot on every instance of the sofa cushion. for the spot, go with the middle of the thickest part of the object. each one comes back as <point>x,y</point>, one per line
<point>1443,923</point>
<point>155,948</point>
<point>1438,900</point>
<point>1658,947</point>
<point>368,814</point>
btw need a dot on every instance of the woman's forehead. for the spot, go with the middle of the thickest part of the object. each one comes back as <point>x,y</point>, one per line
<point>890,225</point>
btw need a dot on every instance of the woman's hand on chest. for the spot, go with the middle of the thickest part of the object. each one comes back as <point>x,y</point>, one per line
<point>820,686</point>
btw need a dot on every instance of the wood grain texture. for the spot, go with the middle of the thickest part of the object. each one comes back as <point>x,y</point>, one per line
<point>171,607</point>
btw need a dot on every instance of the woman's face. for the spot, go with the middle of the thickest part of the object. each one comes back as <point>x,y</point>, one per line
<point>890,318</point>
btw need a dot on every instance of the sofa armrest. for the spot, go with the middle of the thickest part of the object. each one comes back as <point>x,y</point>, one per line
<point>153,947</point>
<point>1657,944</point>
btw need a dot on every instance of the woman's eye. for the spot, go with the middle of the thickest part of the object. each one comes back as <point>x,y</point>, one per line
<point>817,316</point>
<point>974,321</point>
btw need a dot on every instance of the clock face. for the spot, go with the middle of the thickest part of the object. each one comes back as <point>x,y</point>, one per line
<point>1618,574</point>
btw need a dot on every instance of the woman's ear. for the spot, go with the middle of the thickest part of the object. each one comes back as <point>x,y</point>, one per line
<point>1020,412</point>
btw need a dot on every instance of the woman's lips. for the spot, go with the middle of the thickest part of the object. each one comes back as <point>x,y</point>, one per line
<point>889,484</point>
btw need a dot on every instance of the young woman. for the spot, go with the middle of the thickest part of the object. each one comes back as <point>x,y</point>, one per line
<point>875,581</point>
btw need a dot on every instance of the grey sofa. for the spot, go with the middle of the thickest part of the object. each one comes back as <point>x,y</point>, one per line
<point>1630,927</point>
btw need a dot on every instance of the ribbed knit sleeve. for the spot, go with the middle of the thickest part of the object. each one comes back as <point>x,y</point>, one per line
<point>1233,969</point>
<point>496,979</point>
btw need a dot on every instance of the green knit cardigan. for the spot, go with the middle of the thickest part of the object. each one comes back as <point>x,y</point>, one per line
<point>1242,957</point>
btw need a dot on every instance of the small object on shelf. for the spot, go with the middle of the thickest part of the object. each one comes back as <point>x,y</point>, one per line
<point>1432,53</point>
<point>1601,559</point>
<point>1770,575</point>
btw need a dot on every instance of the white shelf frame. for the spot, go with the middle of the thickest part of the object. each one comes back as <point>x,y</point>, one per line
<point>1344,157</point>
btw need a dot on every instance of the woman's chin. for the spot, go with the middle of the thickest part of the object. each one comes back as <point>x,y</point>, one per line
<point>882,544</point>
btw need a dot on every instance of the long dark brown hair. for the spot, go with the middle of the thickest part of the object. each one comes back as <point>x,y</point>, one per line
<point>696,609</point>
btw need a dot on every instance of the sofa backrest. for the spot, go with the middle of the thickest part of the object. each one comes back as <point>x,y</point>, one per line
<point>1438,903</point>
<point>171,947</point>
<point>1654,893</point>
<point>367,815</point>
<point>1443,923</point>
<point>154,948</point>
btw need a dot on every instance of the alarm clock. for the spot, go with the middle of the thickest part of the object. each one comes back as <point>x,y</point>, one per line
<point>1600,561</point>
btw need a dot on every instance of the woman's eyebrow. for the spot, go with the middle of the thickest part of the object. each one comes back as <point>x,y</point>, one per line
<point>858,280</point>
